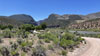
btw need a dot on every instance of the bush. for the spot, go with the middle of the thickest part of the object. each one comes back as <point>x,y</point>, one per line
<point>14,53</point>
<point>10,27</point>
<point>38,27</point>
<point>68,36</point>
<point>65,43</point>
<point>47,40</point>
<point>7,33</point>
<point>5,51</point>
<point>26,43</point>
<point>43,26</point>
<point>50,47</point>
<point>64,53</point>
<point>48,37</point>
<point>23,54</point>
<point>1,40</point>
<point>39,51</point>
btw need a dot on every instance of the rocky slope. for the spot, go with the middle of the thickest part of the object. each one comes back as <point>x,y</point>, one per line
<point>90,24</point>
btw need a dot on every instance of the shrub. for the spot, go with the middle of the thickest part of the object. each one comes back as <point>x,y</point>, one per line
<point>1,40</point>
<point>10,27</point>
<point>43,26</point>
<point>38,27</point>
<point>47,40</point>
<point>50,47</point>
<point>27,27</point>
<point>26,43</point>
<point>14,53</point>
<point>68,36</point>
<point>40,51</point>
<point>48,37</point>
<point>64,53</point>
<point>5,51</point>
<point>65,43</point>
<point>23,54</point>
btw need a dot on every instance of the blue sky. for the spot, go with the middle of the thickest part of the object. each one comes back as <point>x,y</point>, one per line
<point>41,9</point>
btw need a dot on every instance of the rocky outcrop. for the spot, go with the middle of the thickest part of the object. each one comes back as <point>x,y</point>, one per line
<point>90,24</point>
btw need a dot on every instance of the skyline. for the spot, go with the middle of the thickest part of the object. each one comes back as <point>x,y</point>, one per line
<point>41,9</point>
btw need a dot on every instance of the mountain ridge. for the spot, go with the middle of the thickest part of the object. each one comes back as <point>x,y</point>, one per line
<point>18,19</point>
<point>64,20</point>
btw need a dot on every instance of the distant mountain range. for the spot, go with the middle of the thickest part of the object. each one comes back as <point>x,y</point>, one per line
<point>67,19</point>
<point>52,20</point>
<point>17,19</point>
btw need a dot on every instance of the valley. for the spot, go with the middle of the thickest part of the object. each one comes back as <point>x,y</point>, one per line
<point>58,35</point>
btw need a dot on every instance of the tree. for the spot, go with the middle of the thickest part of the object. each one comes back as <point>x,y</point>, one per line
<point>10,27</point>
<point>38,27</point>
<point>2,27</point>
<point>27,27</point>
<point>43,25</point>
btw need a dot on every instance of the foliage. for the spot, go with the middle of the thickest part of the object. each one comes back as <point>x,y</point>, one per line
<point>49,36</point>
<point>64,52</point>
<point>26,43</point>
<point>43,26</point>
<point>38,27</point>
<point>50,47</point>
<point>65,43</point>
<point>23,54</point>
<point>47,40</point>
<point>27,27</point>
<point>68,36</point>
<point>10,27</point>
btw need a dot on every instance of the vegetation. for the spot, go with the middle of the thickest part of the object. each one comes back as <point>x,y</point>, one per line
<point>64,53</point>
<point>22,41</point>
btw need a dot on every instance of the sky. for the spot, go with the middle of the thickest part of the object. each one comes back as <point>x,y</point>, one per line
<point>41,9</point>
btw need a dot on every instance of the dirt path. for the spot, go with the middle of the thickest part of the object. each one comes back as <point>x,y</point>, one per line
<point>94,48</point>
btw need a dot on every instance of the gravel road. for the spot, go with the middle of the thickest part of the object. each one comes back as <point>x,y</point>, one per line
<point>94,47</point>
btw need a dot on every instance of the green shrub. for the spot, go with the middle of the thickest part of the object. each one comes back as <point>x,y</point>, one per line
<point>50,47</point>
<point>48,37</point>
<point>65,43</point>
<point>26,43</point>
<point>23,44</point>
<point>64,53</point>
<point>43,26</point>
<point>68,36</point>
<point>23,54</point>
<point>47,40</point>
<point>27,27</point>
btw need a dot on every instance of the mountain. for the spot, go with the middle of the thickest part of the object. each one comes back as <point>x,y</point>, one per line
<point>67,19</point>
<point>61,20</point>
<point>17,19</point>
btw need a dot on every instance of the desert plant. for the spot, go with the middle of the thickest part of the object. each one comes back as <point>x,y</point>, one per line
<point>40,51</point>
<point>64,53</point>
<point>5,51</point>
<point>50,47</point>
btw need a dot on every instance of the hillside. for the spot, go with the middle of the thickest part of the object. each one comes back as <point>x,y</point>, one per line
<point>17,19</point>
<point>90,24</point>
